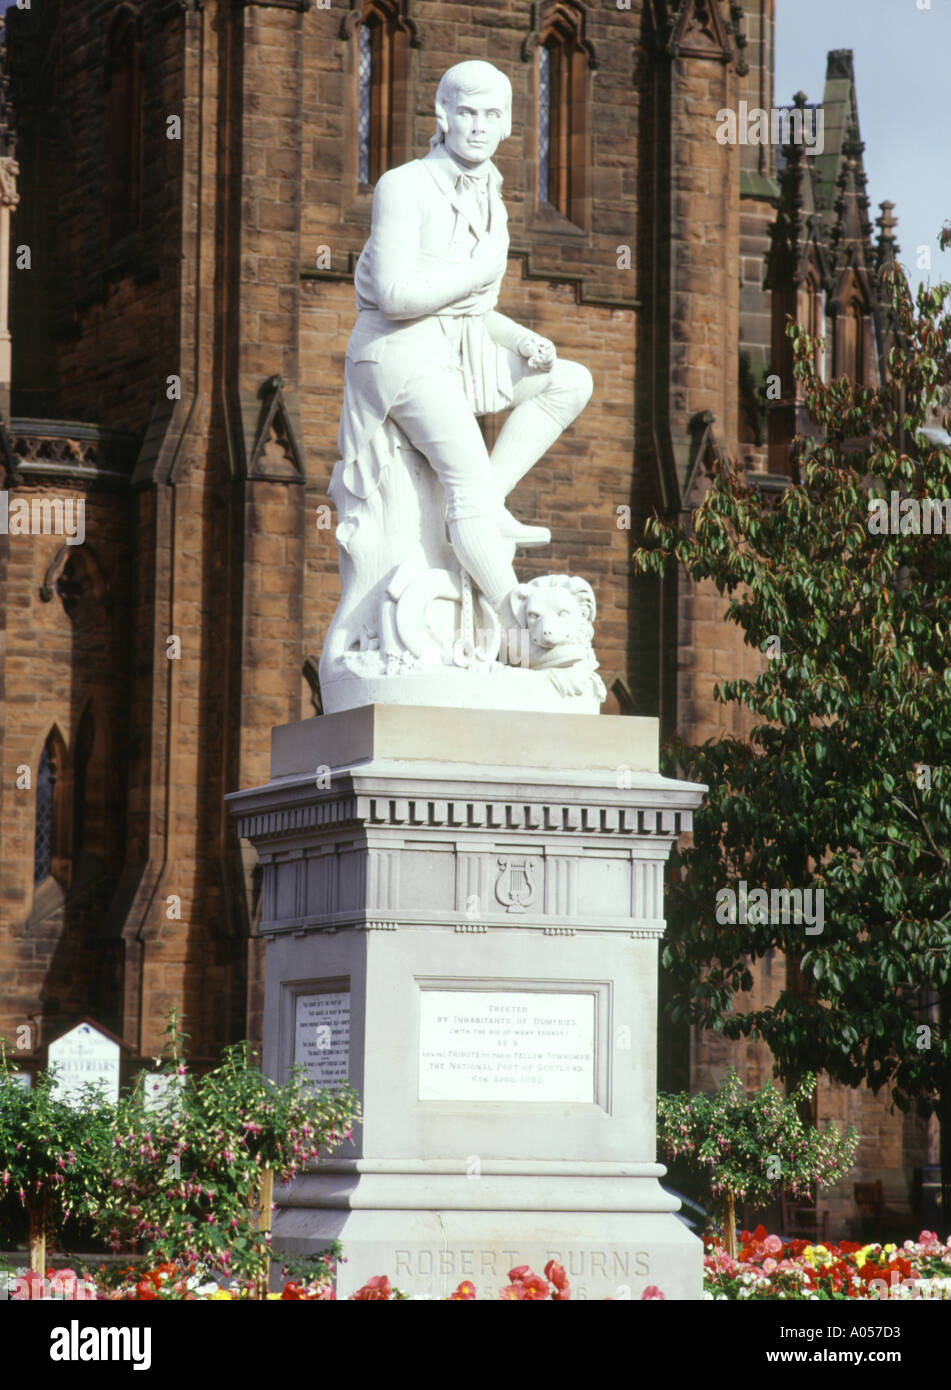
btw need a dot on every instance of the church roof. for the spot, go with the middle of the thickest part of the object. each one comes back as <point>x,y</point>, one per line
<point>823,198</point>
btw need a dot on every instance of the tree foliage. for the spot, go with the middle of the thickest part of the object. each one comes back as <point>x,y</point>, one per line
<point>843,781</point>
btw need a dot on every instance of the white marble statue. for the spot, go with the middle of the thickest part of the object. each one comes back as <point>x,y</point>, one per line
<point>431,609</point>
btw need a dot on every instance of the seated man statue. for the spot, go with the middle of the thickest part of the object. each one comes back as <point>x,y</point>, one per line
<point>429,351</point>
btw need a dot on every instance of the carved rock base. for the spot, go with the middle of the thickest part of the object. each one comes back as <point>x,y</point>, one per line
<point>497,687</point>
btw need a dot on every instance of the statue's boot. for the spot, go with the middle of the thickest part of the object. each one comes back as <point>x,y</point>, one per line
<point>486,554</point>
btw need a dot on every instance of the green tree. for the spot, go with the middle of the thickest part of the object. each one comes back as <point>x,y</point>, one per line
<point>747,1148</point>
<point>843,783</point>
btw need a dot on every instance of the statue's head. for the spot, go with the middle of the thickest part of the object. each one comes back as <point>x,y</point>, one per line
<point>473,111</point>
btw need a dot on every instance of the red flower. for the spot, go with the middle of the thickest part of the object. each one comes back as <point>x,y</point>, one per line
<point>464,1293</point>
<point>534,1288</point>
<point>374,1290</point>
<point>653,1294</point>
<point>556,1274</point>
<point>525,1285</point>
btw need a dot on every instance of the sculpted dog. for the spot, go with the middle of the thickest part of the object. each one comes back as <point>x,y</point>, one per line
<point>557,612</point>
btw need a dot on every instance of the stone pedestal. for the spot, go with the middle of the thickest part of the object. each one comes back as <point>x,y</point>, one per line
<point>462,910</point>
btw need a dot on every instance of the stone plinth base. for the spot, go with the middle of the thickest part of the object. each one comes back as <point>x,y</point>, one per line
<point>614,1255</point>
<point>463,912</point>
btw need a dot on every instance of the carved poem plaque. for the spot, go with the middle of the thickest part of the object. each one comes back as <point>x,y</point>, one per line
<point>503,1045</point>
<point>322,1036</point>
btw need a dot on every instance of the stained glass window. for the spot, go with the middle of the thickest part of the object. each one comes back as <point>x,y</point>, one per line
<point>544,122</point>
<point>366,84</point>
<point>43,836</point>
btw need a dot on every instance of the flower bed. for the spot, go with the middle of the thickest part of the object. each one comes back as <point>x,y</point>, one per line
<point>173,1281</point>
<point>767,1267</point>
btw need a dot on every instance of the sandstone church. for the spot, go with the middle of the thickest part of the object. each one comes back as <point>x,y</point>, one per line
<point>185,186</point>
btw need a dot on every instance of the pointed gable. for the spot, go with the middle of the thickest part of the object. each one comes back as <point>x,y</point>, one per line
<point>699,31</point>
<point>275,452</point>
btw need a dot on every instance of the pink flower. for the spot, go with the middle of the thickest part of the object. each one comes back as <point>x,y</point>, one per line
<point>28,1285</point>
<point>773,1245</point>
<point>653,1294</point>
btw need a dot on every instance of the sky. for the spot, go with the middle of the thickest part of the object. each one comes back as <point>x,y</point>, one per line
<point>902,64</point>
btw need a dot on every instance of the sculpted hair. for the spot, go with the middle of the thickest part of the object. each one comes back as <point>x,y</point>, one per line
<point>463,79</point>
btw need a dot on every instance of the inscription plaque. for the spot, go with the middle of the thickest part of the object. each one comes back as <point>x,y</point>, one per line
<point>503,1045</point>
<point>322,1036</point>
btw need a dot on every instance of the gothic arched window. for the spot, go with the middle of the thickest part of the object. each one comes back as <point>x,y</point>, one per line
<point>376,40</point>
<point>50,854</point>
<point>123,126</point>
<point>563,98</point>
<point>43,833</point>
<point>544,123</point>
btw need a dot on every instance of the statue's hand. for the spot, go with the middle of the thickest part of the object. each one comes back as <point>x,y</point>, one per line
<point>539,352</point>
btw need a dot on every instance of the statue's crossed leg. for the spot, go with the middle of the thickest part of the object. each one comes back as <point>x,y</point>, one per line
<point>434,414</point>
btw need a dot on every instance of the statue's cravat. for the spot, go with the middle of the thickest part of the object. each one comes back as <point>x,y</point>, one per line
<point>475,191</point>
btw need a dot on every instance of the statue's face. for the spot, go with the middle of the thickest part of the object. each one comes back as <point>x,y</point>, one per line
<point>475,122</point>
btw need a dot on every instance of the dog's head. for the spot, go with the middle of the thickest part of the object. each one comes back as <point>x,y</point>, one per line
<point>558,612</point>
